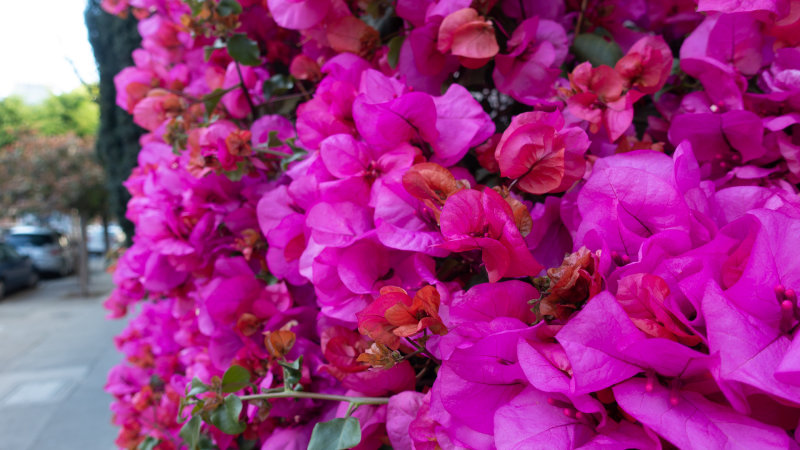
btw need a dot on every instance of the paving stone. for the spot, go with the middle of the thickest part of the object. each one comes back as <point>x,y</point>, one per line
<point>55,351</point>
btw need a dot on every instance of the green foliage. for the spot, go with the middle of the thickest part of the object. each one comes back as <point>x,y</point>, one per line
<point>226,416</point>
<point>15,119</point>
<point>595,49</point>
<point>274,141</point>
<point>149,443</point>
<point>395,44</point>
<point>336,434</point>
<point>198,387</point>
<point>74,112</point>
<point>244,50</point>
<point>277,85</point>
<point>211,100</point>
<point>228,7</point>
<point>235,379</point>
<point>292,372</point>
<point>190,432</point>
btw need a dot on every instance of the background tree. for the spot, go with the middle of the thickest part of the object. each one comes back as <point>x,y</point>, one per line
<point>113,40</point>
<point>45,174</point>
<point>15,118</point>
<point>72,112</point>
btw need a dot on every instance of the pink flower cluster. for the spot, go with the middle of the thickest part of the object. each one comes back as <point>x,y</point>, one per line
<point>527,224</point>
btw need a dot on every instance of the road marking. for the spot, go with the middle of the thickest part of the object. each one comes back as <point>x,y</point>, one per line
<point>39,386</point>
<point>50,391</point>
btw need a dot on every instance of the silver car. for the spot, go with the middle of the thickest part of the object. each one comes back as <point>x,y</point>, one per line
<point>50,251</point>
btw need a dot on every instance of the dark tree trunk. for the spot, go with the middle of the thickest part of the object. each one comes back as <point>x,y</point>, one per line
<point>83,257</point>
<point>113,40</point>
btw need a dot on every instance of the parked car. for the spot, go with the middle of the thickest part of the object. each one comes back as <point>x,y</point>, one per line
<point>16,271</point>
<point>50,251</point>
<point>95,242</point>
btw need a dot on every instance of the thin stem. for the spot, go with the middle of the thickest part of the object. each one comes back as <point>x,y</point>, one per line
<point>244,88</point>
<point>303,90</point>
<point>580,17</point>
<point>351,409</point>
<point>278,98</point>
<point>412,354</point>
<point>424,370</point>
<point>500,27</point>
<point>423,350</point>
<point>271,390</point>
<point>272,152</point>
<point>317,396</point>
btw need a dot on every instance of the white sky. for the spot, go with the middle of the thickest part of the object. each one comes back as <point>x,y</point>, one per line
<point>37,37</point>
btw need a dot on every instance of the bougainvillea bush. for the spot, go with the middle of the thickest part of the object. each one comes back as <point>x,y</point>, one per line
<point>422,224</point>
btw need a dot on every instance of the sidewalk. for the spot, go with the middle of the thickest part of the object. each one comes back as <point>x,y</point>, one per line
<point>55,351</point>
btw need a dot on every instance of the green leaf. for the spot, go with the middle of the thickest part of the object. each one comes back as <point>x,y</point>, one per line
<point>276,85</point>
<point>149,443</point>
<point>336,434</point>
<point>211,100</point>
<point>206,443</point>
<point>593,48</point>
<point>198,387</point>
<point>246,444</point>
<point>226,416</point>
<point>273,140</point>
<point>228,7</point>
<point>374,9</point>
<point>237,173</point>
<point>156,383</point>
<point>235,379</point>
<point>244,50</point>
<point>394,50</point>
<point>267,277</point>
<point>296,156</point>
<point>292,372</point>
<point>196,6</point>
<point>190,432</point>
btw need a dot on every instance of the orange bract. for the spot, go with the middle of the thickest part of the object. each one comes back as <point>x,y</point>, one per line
<point>279,342</point>
<point>432,184</point>
<point>571,284</point>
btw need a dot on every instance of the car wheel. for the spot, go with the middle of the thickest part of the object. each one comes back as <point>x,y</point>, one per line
<point>2,289</point>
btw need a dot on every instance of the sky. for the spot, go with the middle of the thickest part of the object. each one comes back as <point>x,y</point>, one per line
<point>37,37</point>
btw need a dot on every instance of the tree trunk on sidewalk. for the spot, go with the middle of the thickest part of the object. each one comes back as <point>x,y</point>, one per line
<point>106,236</point>
<point>83,256</point>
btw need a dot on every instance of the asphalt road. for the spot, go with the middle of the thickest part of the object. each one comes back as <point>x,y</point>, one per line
<point>56,348</point>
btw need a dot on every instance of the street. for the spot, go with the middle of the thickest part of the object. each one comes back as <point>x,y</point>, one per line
<point>56,348</point>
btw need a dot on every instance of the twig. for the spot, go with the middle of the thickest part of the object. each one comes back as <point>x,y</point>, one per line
<point>89,88</point>
<point>244,88</point>
<point>579,23</point>
<point>423,350</point>
<point>318,396</point>
<point>412,354</point>
<point>268,151</point>
<point>279,98</point>
<point>302,88</point>
<point>424,370</point>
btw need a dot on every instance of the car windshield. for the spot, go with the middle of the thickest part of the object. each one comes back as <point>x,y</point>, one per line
<point>36,240</point>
